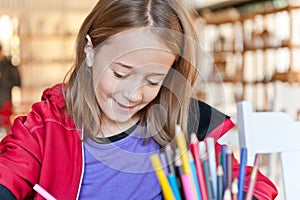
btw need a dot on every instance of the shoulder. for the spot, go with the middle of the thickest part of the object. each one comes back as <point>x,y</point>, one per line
<point>50,110</point>
<point>206,120</point>
<point>55,95</point>
<point>52,102</point>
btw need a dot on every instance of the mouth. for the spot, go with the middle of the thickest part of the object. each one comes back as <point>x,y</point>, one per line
<point>124,107</point>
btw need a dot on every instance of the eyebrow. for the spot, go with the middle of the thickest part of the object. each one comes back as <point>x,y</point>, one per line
<point>123,65</point>
<point>131,67</point>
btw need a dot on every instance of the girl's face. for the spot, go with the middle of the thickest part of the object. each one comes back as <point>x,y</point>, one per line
<point>128,72</point>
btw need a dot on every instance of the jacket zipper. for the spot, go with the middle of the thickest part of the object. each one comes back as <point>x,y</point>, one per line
<point>83,164</point>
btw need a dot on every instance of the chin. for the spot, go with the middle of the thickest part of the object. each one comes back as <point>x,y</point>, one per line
<point>121,118</point>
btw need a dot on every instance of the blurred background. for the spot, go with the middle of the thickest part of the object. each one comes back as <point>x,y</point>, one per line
<point>254,46</point>
<point>39,37</point>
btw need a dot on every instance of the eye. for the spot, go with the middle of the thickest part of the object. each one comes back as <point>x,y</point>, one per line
<point>153,83</point>
<point>119,75</point>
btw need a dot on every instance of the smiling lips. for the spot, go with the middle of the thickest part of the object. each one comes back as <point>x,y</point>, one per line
<point>123,107</point>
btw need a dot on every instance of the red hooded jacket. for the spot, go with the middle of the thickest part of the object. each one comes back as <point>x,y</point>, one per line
<point>45,148</point>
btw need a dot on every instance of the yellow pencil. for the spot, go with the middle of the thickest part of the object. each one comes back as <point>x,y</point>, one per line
<point>181,144</point>
<point>162,178</point>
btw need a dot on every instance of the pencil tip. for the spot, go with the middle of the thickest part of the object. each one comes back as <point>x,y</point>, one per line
<point>178,129</point>
<point>227,194</point>
<point>220,170</point>
<point>234,186</point>
<point>202,149</point>
<point>194,138</point>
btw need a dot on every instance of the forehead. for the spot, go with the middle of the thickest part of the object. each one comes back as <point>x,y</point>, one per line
<point>140,44</point>
<point>132,40</point>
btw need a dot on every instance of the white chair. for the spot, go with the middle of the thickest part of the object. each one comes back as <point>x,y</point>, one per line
<point>272,132</point>
<point>287,98</point>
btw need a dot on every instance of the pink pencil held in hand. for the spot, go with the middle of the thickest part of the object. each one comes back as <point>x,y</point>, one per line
<point>43,192</point>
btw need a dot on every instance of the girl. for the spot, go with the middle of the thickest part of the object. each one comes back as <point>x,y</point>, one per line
<point>132,82</point>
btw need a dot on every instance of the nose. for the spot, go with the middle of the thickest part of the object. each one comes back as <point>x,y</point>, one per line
<point>134,94</point>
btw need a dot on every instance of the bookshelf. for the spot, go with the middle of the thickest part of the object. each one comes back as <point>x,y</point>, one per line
<point>253,44</point>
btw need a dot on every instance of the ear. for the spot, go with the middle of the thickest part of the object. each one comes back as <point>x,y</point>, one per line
<point>89,52</point>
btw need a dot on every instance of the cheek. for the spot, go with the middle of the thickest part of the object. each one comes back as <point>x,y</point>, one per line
<point>150,94</point>
<point>104,85</point>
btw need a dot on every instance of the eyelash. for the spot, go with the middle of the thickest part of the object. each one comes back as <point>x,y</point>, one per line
<point>120,76</point>
<point>152,83</point>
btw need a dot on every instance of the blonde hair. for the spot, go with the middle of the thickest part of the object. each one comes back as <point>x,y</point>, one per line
<point>110,17</point>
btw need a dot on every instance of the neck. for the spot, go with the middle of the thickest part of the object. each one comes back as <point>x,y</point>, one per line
<point>110,128</point>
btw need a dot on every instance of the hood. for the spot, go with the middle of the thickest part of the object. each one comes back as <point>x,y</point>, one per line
<point>55,95</point>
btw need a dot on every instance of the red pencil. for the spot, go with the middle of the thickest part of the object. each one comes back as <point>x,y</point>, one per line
<point>200,174</point>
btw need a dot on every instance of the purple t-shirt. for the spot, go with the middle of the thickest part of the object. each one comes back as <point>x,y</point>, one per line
<point>121,169</point>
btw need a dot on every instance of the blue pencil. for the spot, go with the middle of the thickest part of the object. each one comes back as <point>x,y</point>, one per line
<point>242,172</point>
<point>174,186</point>
<point>194,174</point>
<point>224,165</point>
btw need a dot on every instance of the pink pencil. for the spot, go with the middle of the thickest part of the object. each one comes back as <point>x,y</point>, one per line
<point>43,192</point>
<point>253,178</point>
<point>187,187</point>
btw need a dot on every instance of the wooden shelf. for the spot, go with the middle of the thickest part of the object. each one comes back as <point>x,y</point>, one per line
<point>47,37</point>
<point>247,51</point>
<point>287,77</point>
<point>243,16</point>
<point>222,5</point>
<point>42,62</point>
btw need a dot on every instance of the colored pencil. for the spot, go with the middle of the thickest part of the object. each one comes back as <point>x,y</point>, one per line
<point>220,183</point>
<point>198,163</point>
<point>242,173</point>
<point>224,164</point>
<point>164,162</point>
<point>227,194</point>
<point>43,192</point>
<point>178,171</point>
<point>170,158</point>
<point>229,166</point>
<point>187,187</point>
<point>203,155</point>
<point>253,176</point>
<point>234,189</point>
<point>162,178</point>
<point>169,155</point>
<point>174,186</point>
<point>182,146</point>
<point>194,173</point>
<point>210,143</point>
